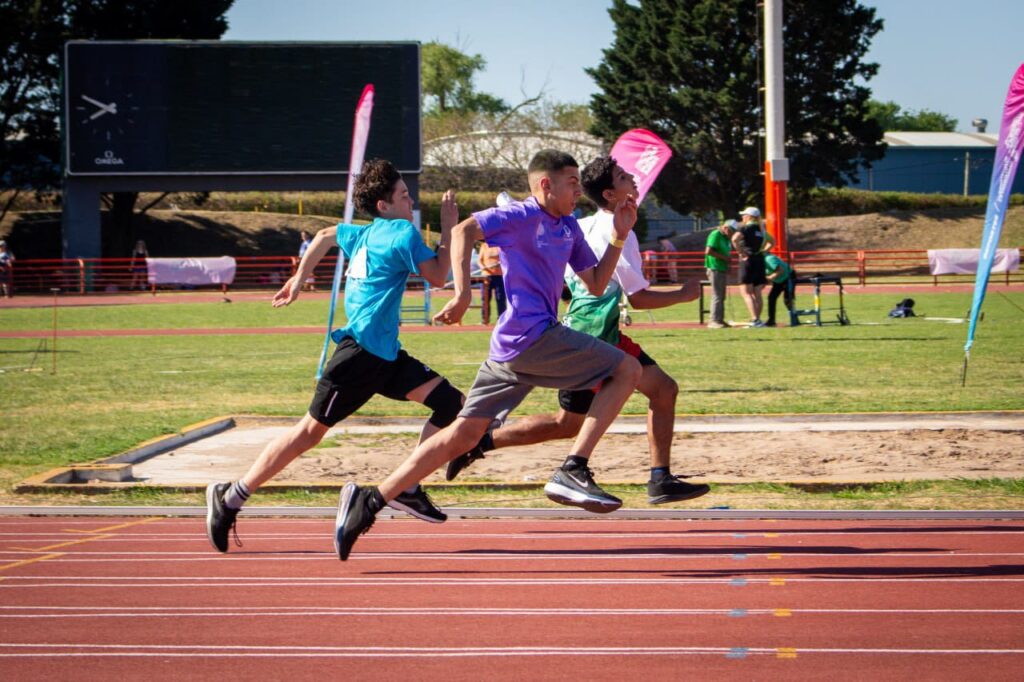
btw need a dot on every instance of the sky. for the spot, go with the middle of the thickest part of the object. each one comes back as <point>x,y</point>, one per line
<point>949,56</point>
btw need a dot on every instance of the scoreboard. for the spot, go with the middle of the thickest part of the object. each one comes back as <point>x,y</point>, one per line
<point>233,108</point>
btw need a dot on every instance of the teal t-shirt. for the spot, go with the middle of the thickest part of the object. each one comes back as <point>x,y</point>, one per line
<point>773,263</point>
<point>380,257</point>
<point>720,243</point>
<point>594,315</point>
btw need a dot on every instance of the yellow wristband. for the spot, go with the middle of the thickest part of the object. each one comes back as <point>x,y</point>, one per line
<point>618,243</point>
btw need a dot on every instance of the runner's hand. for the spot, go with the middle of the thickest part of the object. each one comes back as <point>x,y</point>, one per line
<point>690,290</point>
<point>625,216</point>
<point>454,310</point>
<point>449,210</point>
<point>288,293</point>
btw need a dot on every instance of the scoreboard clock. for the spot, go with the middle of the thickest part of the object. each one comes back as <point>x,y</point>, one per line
<point>216,108</point>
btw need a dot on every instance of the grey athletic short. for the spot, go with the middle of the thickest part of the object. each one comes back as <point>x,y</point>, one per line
<point>561,358</point>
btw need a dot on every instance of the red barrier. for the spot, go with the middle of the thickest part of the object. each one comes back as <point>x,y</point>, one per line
<point>118,275</point>
<point>865,267</point>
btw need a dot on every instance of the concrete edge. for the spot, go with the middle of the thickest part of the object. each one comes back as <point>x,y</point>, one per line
<point>186,435</point>
<point>552,513</point>
<point>116,470</point>
<point>89,482</point>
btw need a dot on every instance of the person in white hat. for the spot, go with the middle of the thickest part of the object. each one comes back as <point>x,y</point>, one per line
<point>751,242</point>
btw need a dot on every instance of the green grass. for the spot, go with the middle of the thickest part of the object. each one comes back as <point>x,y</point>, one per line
<point>110,393</point>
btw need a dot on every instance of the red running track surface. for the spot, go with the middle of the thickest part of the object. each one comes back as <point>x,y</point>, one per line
<point>603,599</point>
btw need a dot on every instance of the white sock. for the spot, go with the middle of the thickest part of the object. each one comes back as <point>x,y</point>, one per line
<point>236,495</point>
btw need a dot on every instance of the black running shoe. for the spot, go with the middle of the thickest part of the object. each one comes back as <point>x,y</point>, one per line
<point>461,462</point>
<point>356,515</point>
<point>220,520</point>
<point>671,489</point>
<point>420,505</point>
<point>576,487</point>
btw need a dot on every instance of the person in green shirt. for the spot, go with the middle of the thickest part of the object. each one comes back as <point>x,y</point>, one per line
<point>783,281</point>
<point>716,260</point>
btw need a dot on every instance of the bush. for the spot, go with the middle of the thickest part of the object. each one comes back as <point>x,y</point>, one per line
<point>824,202</point>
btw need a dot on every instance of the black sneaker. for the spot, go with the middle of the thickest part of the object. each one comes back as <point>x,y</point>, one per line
<point>355,516</point>
<point>671,489</point>
<point>576,487</point>
<point>220,520</point>
<point>420,505</point>
<point>461,462</point>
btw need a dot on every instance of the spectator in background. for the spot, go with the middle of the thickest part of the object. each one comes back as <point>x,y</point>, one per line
<point>310,283</point>
<point>783,281</point>
<point>490,266</point>
<point>750,242</point>
<point>6,270</point>
<point>716,260</point>
<point>140,273</point>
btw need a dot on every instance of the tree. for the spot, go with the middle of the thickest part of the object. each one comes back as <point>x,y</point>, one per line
<point>689,71</point>
<point>447,75</point>
<point>890,116</point>
<point>31,34</point>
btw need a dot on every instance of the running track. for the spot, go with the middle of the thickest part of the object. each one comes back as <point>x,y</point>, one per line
<point>615,599</point>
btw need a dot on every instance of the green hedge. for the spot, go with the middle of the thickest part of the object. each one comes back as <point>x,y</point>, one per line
<point>836,202</point>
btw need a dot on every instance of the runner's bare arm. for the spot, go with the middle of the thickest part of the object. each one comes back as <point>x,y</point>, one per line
<point>463,236</point>
<point>435,270</point>
<point>597,278</point>
<point>648,299</point>
<point>318,248</point>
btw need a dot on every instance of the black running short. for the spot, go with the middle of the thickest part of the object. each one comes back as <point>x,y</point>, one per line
<point>354,375</point>
<point>578,402</point>
<point>752,270</point>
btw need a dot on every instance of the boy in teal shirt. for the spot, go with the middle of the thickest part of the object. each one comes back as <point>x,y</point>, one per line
<point>783,281</point>
<point>368,359</point>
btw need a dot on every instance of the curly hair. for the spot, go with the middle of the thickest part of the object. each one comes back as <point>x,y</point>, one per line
<point>376,183</point>
<point>597,176</point>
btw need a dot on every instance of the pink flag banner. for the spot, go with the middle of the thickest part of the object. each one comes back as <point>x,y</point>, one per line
<point>360,134</point>
<point>1008,153</point>
<point>643,154</point>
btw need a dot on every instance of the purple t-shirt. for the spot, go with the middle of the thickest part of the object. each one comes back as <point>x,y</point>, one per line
<point>535,248</point>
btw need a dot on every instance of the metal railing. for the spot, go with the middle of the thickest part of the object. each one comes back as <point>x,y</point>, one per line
<point>864,267</point>
<point>119,275</point>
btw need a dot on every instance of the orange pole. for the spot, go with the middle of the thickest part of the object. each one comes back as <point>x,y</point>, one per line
<point>775,212</point>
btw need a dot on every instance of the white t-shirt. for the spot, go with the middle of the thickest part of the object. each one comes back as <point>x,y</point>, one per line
<point>629,271</point>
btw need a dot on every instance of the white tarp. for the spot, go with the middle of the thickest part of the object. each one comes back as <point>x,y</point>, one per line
<point>965,261</point>
<point>191,270</point>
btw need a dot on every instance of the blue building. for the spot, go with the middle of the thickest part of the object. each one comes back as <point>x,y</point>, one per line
<point>935,163</point>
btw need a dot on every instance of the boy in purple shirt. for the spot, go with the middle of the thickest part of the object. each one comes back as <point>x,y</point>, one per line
<point>538,238</point>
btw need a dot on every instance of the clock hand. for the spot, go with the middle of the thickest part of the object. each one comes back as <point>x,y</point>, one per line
<point>104,108</point>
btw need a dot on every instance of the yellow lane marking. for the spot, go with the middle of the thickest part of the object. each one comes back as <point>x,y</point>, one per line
<point>774,555</point>
<point>70,542</point>
<point>782,613</point>
<point>776,582</point>
<point>771,535</point>
<point>110,528</point>
<point>785,652</point>
<point>94,534</point>
<point>30,561</point>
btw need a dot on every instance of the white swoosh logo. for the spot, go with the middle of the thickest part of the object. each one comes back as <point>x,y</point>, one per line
<point>577,481</point>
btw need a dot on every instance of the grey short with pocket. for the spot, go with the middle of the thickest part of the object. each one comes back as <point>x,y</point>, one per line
<point>561,358</point>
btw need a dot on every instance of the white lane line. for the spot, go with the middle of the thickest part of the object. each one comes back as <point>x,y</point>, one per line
<point>11,650</point>
<point>309,611</point>
<point>668,535</point>
<point>612,554</point>
<point>220,582</point>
